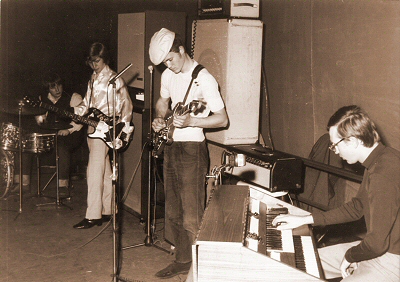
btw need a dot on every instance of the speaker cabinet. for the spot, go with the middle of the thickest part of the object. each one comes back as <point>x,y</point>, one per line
<point>231,50</point>
<point>131,168</point>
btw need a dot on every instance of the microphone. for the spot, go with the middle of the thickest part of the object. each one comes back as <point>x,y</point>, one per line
<point>112,80</point>
<point>150,68</point>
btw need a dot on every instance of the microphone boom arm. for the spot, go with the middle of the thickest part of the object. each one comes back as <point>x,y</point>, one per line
<point>112,80</point>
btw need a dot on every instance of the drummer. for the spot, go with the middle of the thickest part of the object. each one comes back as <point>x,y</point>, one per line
<point>69,139</point>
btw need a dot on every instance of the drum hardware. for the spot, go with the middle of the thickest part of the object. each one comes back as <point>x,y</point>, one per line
<point>38,143</point>
<point>56,126</point>
<point>19,108</point>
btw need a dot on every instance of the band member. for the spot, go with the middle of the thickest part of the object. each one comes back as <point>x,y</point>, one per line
<point>377,256</point>
<point>69,139</point>
<point>99,95</point>
<point>186,159</point>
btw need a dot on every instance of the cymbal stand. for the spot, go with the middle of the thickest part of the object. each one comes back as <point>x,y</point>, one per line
<point>150,223</point>
<point>58,201</point>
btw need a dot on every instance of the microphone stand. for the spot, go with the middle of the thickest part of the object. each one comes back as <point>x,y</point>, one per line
<point>113,197</point>
<point>20,105</point>
<point>150,227</point>
<point>114,203</point>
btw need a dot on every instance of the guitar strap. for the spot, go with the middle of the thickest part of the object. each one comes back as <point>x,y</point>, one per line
<point>195,73</point>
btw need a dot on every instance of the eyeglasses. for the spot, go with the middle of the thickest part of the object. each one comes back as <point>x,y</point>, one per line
<point>332,147</point>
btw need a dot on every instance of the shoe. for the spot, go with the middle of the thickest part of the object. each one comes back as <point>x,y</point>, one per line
<point>106,217</point>
<point>174,269</point>
<point>88,223</point>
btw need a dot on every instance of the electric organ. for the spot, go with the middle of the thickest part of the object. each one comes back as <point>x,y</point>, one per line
<point>236,241</point>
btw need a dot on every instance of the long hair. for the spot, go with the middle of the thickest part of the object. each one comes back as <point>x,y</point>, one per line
<point>98,50</point>
<point>352,121</point>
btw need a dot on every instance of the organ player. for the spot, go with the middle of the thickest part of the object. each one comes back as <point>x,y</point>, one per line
<point>377,256</point>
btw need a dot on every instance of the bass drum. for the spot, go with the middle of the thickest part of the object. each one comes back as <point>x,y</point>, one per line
<point>7,172</point>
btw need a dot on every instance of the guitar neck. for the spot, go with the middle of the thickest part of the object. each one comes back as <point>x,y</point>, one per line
<point>66,113</point>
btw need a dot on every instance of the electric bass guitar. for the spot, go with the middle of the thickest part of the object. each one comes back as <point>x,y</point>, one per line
<point>102,124</point>
<point>164,136</point>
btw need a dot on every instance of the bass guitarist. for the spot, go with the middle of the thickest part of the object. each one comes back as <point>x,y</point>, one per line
<point>186,158</point>
<point>99,95</point>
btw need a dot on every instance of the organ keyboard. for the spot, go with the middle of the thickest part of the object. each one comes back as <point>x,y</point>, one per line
<point>236,241</point>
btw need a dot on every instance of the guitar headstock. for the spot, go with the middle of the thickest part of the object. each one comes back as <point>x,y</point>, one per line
<point>31,101</point>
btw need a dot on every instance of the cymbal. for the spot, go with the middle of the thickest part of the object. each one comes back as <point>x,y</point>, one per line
<point>60,125</point>
<point>15,107</point>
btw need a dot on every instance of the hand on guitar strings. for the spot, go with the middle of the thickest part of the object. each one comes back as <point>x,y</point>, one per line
<point>181,121</point>
<point>158,124</point>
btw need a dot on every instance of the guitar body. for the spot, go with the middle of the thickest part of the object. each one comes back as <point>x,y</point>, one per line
<point>165,135</point>
<point>105,132</point>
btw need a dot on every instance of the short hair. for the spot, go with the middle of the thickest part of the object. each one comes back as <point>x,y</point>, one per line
<point>178,41</point>
<point>50,79</point>
<point>99,50</point>
<point>352,121</point>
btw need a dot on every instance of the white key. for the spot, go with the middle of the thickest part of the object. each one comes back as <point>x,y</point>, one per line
<point>309,256</point>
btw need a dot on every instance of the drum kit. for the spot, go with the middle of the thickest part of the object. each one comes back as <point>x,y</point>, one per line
<point>15,141</point>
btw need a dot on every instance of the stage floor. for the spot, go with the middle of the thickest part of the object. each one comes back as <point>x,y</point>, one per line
<point>40,245</point>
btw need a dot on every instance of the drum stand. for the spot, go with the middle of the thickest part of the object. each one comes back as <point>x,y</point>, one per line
<point>58,201</point>
<point>20,106</point>
<point>20,110</point>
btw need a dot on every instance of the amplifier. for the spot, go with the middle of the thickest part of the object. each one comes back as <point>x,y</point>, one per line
<point>273,170</point>
<point>228,8</point>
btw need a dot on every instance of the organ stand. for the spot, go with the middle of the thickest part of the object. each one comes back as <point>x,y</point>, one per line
<point>231,244</point>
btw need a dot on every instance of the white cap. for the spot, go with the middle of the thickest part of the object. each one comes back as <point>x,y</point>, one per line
<point>160,45</point>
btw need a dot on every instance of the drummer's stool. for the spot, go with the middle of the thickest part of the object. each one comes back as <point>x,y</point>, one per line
<point>52,168</point>
<point>39,171</point>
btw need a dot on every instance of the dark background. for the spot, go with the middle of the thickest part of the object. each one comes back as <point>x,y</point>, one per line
<point>317,56</point>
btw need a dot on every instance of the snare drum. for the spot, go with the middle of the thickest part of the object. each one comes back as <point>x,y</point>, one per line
<point>38,143</point>
<point>9,136</point>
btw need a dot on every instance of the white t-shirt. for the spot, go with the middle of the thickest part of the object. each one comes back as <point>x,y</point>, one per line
<point>204,88</point>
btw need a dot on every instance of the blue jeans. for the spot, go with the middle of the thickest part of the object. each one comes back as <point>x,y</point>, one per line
<point>185,169</point>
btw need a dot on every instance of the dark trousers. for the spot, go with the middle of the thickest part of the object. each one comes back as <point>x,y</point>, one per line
<point>185,169</point>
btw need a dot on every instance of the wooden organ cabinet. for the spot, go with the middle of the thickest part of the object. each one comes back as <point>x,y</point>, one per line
<point>237,242</point>
<point>134,33</point>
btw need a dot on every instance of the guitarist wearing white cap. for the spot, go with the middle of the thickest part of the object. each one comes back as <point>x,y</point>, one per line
<point>184,83</point>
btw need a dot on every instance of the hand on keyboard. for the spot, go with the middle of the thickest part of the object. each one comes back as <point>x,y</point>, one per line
<point>288,221</point>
